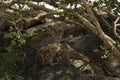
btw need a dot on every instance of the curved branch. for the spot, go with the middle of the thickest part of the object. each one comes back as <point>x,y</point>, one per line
<point>115,27</point>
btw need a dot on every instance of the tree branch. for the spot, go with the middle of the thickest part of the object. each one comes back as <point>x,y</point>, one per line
<point>101,34</point>
<point>115,27</point>
<point>87,23</point>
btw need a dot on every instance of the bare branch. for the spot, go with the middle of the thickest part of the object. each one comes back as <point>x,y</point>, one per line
<point>35,28</point>
<point>87,23</point>
<point>92,16</point>
<point>108,40</point>
<point>115,27</point>
<point>101,34</point>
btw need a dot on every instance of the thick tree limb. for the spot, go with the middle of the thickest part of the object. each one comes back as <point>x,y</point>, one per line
<point>101,34</point>
<point>87,23</point>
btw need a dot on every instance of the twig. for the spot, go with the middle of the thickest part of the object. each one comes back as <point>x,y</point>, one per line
<point>115,27</point>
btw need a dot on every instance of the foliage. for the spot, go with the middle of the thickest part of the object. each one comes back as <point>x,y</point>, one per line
<point>11,53</point>
<point>17,15</point>
<point>106,51</point>
<point>16,37</point>
<point>8,77</point>
<point>2,7</point>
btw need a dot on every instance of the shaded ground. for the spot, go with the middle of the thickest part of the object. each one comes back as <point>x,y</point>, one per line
<point>58,72</point>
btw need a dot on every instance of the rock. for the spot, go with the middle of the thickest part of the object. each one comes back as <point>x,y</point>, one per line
<point>87,46</point>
